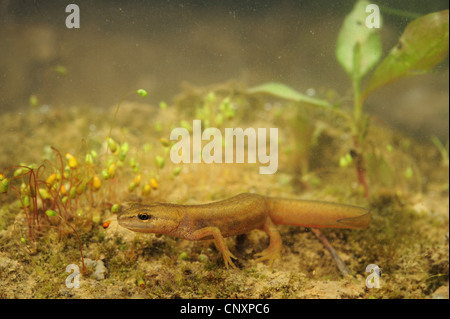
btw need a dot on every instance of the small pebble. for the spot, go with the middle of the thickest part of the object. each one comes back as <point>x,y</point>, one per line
<point>99,268</point>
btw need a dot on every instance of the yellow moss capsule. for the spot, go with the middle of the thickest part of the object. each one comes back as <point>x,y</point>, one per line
<point>163,105</point>
<point>112,145</point>
<point>80,189</point>
<point>4,185</point>
<point>154,183</point>
<point>146,190</point>
<point>32,192</point>
<point>160,161</point>
<point>63,190</point>
<point>164,142</point>
<point>183,256</point>
<point>89,160</point>
<point>115,208</point>
<point>71,160</point>
<point>34,100</point>
<point>44,194</point>
<point>142,92</point>
<point>140,282</point>
<point>66,172</point>
<point>24,190</point>
<point>124,148</point>
<point>26,201</point>
<point>96,183</point>
<point>18,172</point>
<point>50,213</point>
<point>176,171</point>
<point>51,180</point>
<point>133,162</point>
<point>137,180</point>
<point>112,171</point>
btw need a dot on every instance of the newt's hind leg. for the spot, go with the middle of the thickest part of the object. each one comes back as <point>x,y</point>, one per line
<point>272,252</point>
<point>339,263</point>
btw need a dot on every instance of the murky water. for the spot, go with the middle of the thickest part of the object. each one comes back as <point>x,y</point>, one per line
<point>60,87</point>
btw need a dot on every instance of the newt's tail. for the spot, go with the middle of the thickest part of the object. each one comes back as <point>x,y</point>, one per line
<point>317,214</point>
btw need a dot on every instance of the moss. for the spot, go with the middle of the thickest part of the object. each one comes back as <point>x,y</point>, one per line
<point>388,241</point>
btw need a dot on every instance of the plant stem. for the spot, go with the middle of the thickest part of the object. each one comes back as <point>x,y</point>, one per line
<point>360,169</point>
<point>356,85</point>
<point>358,133</point>
<point>357,106</point>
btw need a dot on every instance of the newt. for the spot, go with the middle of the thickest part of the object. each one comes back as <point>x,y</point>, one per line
<point>241,214</point>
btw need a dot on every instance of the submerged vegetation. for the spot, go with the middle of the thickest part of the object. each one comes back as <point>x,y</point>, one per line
<point>423,44</point>
<point>63,207</point>
<point>67,189</point>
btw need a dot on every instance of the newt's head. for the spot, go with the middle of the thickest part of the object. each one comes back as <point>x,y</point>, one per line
<point>154,218</point>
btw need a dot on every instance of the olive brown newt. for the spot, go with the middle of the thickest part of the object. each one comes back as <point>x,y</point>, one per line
<point>241,214</point>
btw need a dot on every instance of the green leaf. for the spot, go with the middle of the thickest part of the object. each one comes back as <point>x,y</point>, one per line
<point>358,47</point>
<point>286,92</point>
<point>423,44</point>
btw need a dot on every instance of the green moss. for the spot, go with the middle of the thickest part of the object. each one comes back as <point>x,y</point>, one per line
<point>173,268</point>
<point>7,217</point>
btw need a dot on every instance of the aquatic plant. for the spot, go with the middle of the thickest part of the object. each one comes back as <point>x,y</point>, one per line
<point>42,198</point>
<point>423,44</point>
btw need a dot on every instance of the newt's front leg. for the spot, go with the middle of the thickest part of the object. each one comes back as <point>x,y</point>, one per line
<point>272,252</point>
<point>218,241</point>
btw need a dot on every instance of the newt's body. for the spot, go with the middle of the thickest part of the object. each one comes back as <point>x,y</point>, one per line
<point>238,215</point>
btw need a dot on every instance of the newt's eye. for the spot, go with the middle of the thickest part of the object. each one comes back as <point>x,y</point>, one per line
<point>144,216</point>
